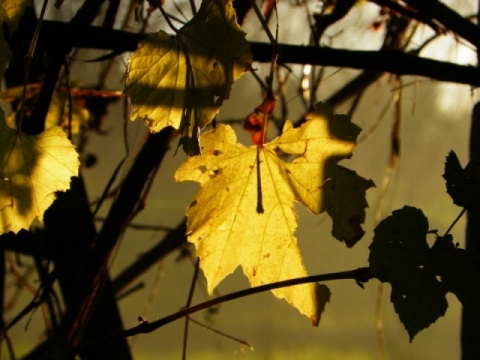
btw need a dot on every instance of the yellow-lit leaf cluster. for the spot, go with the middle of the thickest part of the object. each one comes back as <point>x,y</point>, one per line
<point>225,221</point>
<point>32,169</point>
<point>182,82</point>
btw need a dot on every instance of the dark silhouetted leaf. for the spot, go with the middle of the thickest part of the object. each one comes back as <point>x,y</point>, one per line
<point>399,255</point>
<point>421,276</point>
<point>463,185</point>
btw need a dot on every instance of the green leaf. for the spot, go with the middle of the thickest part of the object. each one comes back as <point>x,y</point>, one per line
<point>182,82</point>
<point>463,185</point>
<point>226,223</point>
<point>32,169</point>
<point>10,13</point>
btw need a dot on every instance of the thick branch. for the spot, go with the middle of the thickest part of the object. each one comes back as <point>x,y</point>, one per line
<point>95,269</point>
<point>395,62</point>
<point>84,16</point>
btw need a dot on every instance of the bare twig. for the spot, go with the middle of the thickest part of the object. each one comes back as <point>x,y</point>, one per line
<point>188,304</point>
<point>234,338</point>
<point>170,242</point>
<point>360,275</point>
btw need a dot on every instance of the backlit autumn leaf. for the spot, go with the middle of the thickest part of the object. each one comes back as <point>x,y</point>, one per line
<point>244,212</point>
<point>32,169</point>
<point>182,82</point>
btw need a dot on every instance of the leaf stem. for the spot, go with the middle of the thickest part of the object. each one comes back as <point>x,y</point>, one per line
<point>360,275</point>
<point>260,209</point>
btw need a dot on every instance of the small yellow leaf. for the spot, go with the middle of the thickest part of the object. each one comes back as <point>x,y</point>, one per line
<point>182,82</point>
<point>225,221</point>
<point>32,169</point>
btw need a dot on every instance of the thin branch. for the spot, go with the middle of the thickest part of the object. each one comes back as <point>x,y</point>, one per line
<point>106,190</point>
<point>322,22</point>
<point>408,12</point>
<point>449,18</point>
<point>159,5</point>
<point>136,226</point>
<point>189,303</point>
<point>459,216</point>
<point>360,275</point>
<point>243,342</point>
<point>170,242</point>
<point>262,20</point>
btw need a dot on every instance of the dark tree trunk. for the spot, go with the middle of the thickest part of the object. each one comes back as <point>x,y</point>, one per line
<point>470,334</point>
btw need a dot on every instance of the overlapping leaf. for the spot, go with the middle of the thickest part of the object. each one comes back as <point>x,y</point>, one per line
<point>421,276</point>
<point>226,222</point>
<point>182,82</point>
<point>32,169</point>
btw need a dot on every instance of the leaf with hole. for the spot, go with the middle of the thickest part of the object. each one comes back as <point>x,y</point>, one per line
<point>399,255</point>
<point>421,275</point>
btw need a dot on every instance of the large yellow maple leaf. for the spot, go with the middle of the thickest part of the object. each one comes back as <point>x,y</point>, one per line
<point>182,82</point>
<point>244,212</point>
<point>32,169</point>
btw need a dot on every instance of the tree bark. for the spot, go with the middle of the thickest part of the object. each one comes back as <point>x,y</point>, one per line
<point>470,332</point>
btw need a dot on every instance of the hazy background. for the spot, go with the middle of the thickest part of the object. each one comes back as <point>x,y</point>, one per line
<point>435,120</point>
